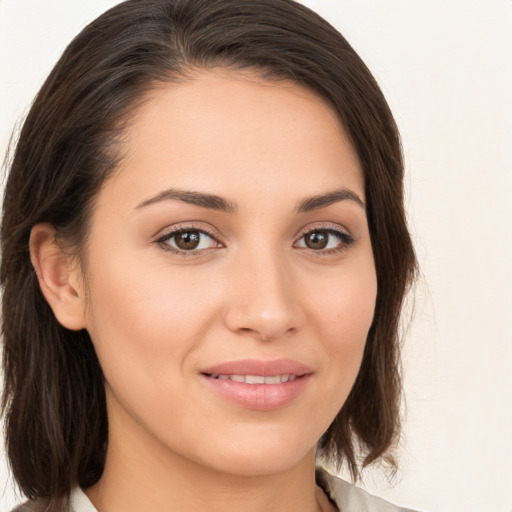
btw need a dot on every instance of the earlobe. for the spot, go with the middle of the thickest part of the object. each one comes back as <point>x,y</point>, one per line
<point>59,277</point>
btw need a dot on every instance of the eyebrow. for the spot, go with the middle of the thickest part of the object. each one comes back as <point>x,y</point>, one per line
<point>218,203</point>
<point>211,201</point>
<point>323,200</point>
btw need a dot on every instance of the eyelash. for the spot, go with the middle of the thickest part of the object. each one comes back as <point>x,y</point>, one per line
<point>163,240</point>
<point>346,240</point>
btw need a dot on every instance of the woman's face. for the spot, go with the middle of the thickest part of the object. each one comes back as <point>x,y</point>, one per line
<point>230,276</point>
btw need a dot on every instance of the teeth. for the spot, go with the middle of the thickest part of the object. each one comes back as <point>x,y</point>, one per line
<point>257,379</point>
<point>254,379</point>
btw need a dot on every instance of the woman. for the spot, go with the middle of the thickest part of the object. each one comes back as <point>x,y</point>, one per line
<point>204,257</point>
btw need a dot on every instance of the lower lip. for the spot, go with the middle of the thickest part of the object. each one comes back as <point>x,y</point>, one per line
<point>259,397</point>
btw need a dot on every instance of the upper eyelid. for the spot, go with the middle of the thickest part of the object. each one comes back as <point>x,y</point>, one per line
<point>180,228</point>
<point>322,226</point>
<point>343,236</point>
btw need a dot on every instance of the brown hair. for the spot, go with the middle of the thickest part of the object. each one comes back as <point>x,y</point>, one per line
<point>54,401</point>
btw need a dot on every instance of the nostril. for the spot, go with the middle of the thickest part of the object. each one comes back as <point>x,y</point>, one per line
<point>267,317</point>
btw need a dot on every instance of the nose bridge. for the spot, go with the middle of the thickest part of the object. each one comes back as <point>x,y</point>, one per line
<point>262,298</point>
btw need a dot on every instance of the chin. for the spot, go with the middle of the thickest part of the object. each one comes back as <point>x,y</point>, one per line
<point>251,465</point>
<point>258,456</point>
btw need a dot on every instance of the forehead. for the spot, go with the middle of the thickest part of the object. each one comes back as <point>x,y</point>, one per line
<point>223,130</point>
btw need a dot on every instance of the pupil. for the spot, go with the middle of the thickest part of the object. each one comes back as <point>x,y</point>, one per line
<point>317,240</point>
<point>187,240</point>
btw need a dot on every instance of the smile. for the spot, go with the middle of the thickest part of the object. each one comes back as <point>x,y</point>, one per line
<point>257,379</point>
<point>260,385</point>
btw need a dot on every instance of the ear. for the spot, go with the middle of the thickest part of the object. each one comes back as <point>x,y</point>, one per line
<point>59,277</point>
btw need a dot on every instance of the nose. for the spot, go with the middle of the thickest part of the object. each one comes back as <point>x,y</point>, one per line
<point>262,297</point>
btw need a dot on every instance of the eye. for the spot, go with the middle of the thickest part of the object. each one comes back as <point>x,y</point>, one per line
<point>188,240</point>
<point>327,240</point>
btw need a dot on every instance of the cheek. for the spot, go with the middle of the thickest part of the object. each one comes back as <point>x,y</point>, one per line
<point>344,305</point>
<point>145,328</point>
<point>344,314</point>
<point>143,318</point>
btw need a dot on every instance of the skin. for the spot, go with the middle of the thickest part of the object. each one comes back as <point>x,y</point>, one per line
<point>254,289</point>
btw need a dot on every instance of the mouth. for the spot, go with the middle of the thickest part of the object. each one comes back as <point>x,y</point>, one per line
<point>259,385</point>
<point>256,379</point>
<point>252,371</point>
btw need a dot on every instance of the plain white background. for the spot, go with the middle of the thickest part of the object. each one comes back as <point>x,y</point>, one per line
<point>446,69</point>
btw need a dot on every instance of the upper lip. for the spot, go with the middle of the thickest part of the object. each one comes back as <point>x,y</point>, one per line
<point>264,368</point>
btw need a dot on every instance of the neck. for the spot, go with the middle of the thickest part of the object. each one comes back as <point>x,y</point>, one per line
<point>140,474</point>
<point>195,489</point>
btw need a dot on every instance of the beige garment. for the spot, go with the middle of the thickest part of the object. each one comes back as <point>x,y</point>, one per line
<point>349,498</point>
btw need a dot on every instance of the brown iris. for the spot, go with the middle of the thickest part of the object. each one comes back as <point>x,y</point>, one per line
<point>187,240</point>
<point>317,240</point>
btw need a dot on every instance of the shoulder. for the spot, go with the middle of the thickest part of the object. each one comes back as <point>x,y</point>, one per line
<point>30,506</point>
<point>350,498</point>
<point>78,502</point>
